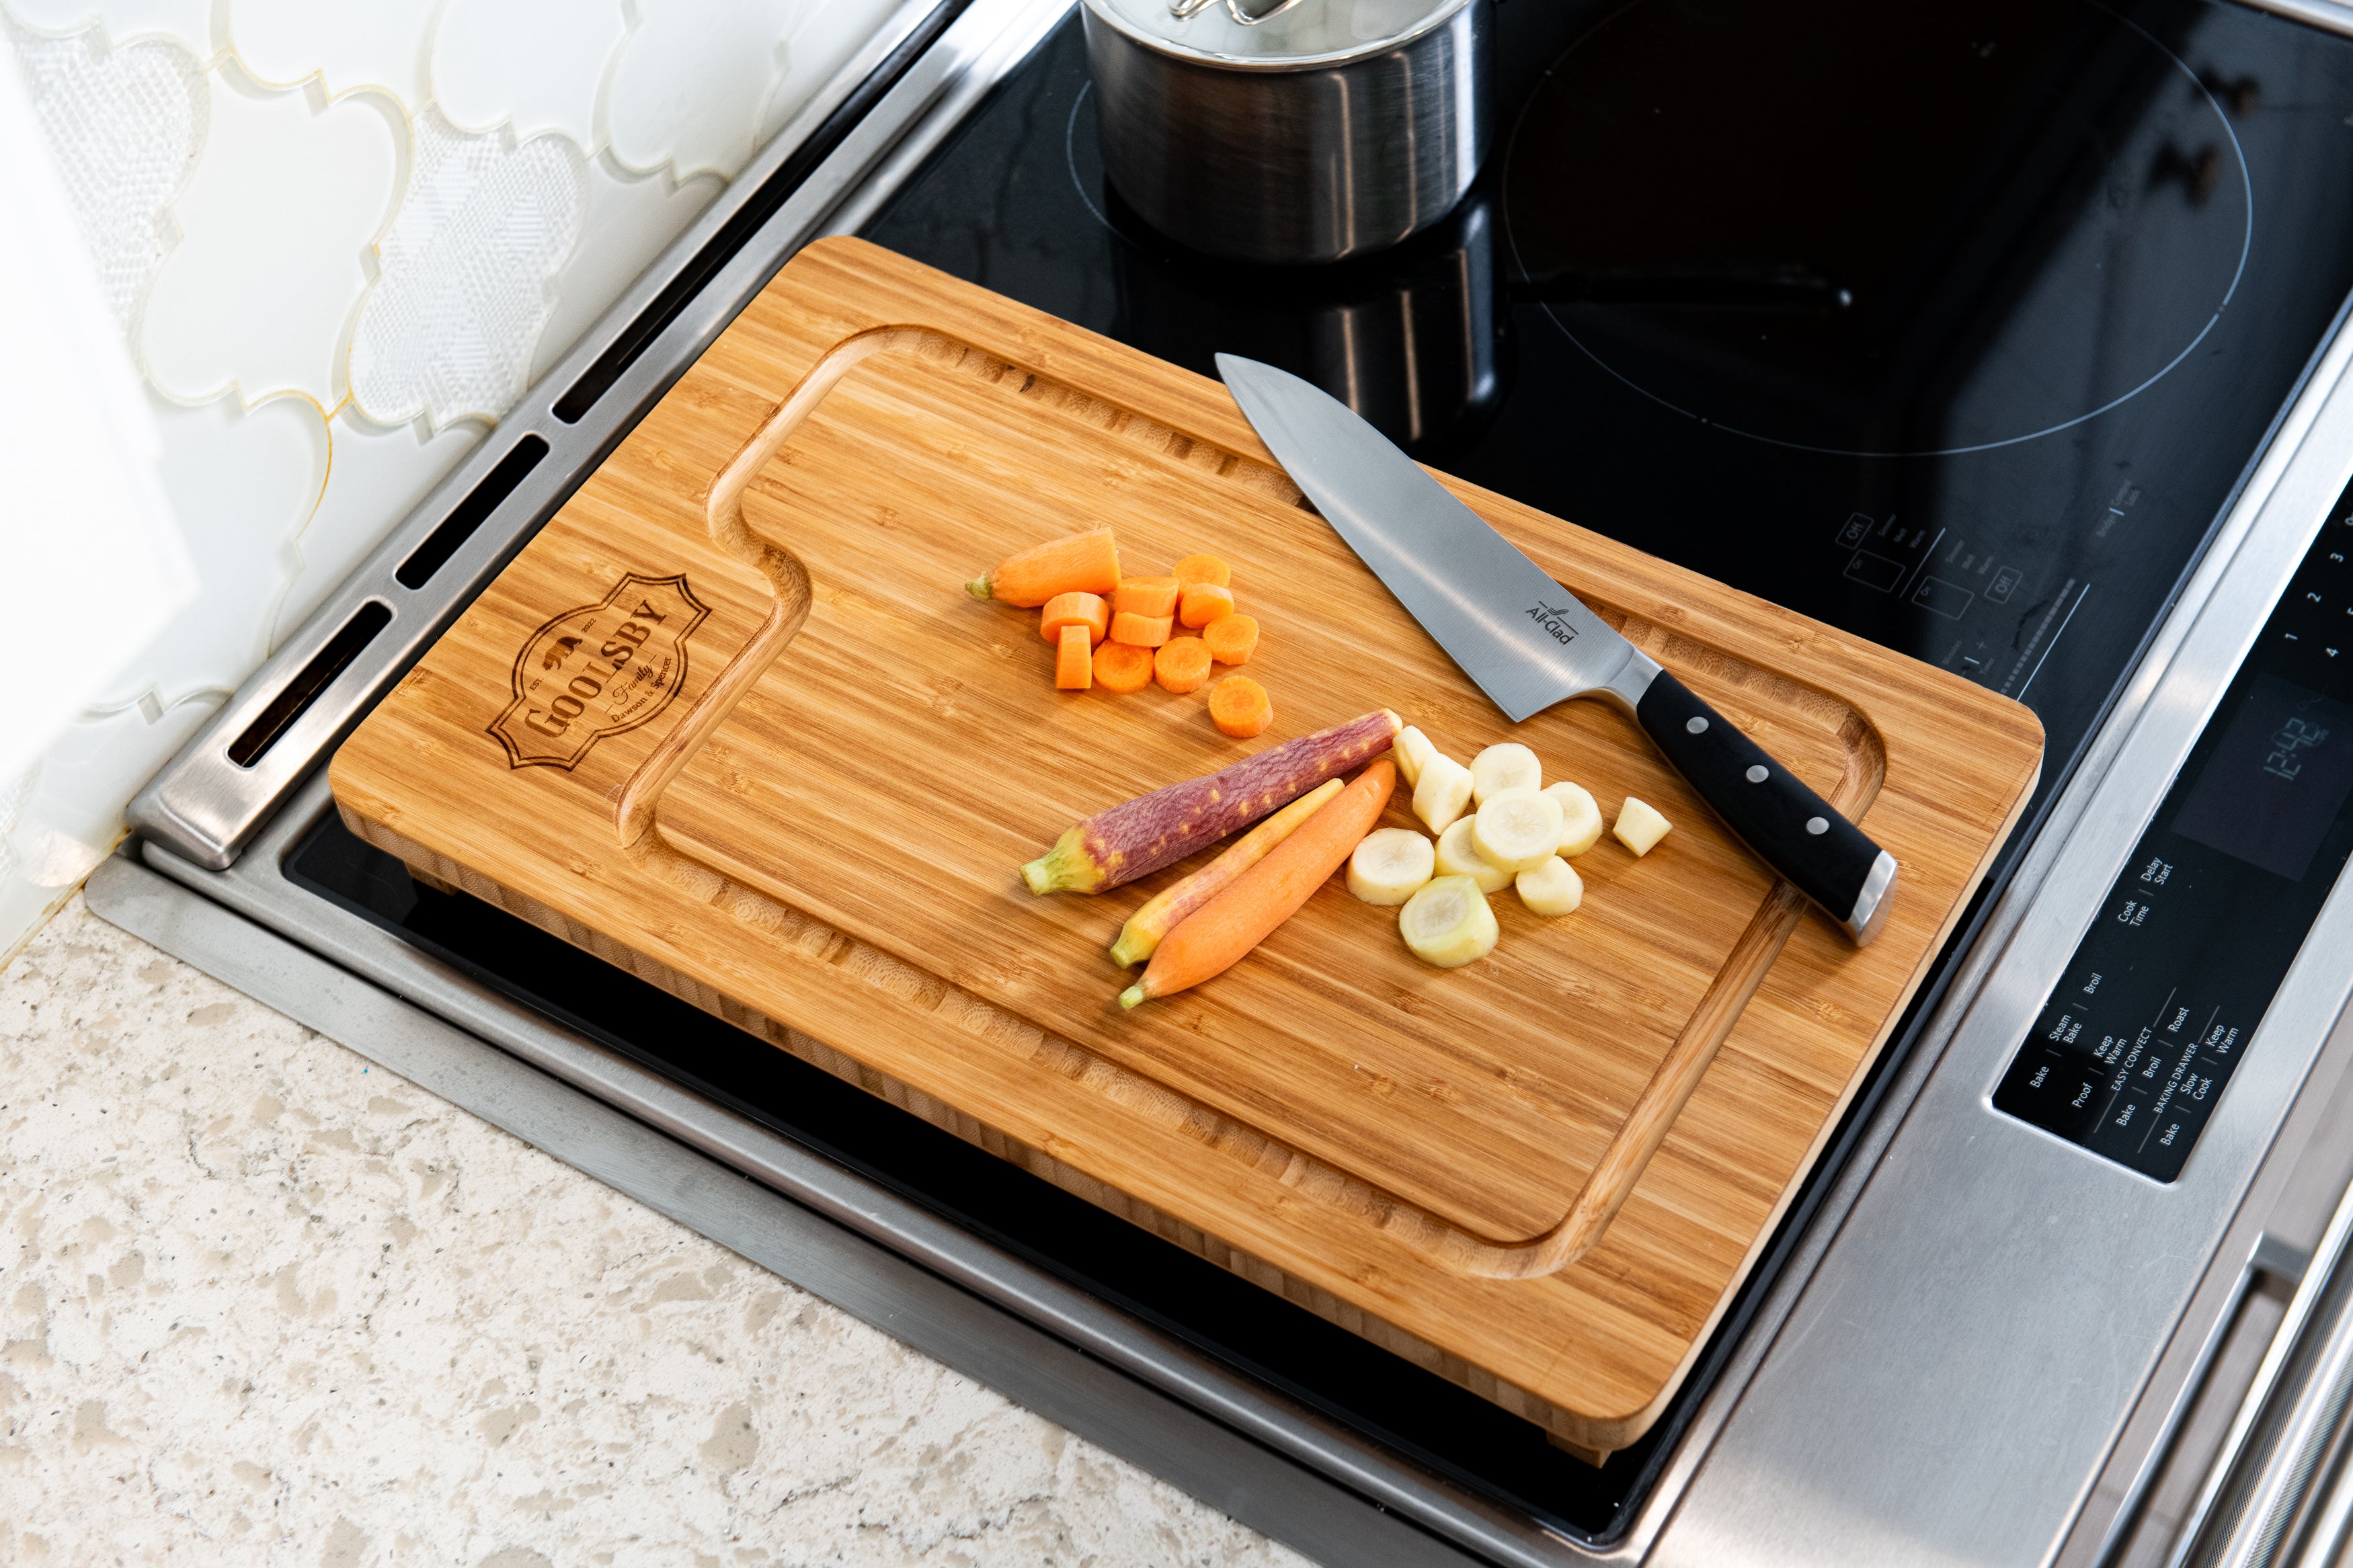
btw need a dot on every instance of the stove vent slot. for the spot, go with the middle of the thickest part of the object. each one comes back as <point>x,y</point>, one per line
<point>470,513</point>
<point>315,677</point>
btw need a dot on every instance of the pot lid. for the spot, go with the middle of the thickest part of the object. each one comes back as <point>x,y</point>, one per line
<point>1302,33</point>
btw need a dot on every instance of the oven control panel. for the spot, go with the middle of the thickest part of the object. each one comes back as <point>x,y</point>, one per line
<point>2136,1043</point>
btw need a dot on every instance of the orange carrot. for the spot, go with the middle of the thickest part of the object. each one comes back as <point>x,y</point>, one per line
<point>1204,569</point>
<point>1166,909</point>
<point>1081,563</point>
<point>1123,667</point>
<point>1232,638</point>
<point>1216,936</point>
<point>1206,602</point>
<point>1086,610</point>
<point>1145,597</point>
<point>1144,631</point>
<point>1182,665</point>
<point>1073,660</point>
<point>1240,707</point>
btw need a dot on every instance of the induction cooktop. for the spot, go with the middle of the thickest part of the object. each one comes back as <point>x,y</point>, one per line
<point>1957,327</point>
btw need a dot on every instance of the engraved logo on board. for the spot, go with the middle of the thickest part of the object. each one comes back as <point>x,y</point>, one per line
<point>598,670</point>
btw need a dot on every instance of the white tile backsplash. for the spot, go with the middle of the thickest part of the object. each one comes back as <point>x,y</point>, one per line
<point>342,240</point>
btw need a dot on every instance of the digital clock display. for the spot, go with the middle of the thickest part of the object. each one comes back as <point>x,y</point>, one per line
<point>2275,784</point>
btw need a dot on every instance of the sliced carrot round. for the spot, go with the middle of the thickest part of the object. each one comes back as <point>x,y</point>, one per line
<point>1086,610</point>
<point>1231,639</point>
<point>1204,569</point>
<point>1123,667</point>
<point>1203,602</point>
<point>1238,705</point>
<point>1152,596</point>
<point>1144,631</point>
<point>1073,661</point>
<point>1182,665</point>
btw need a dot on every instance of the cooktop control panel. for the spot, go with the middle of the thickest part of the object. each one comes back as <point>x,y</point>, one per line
<point>2136,1043</point>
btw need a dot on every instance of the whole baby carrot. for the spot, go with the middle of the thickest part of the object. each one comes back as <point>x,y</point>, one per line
<point>1217,934</point>
<point>1167,908</point>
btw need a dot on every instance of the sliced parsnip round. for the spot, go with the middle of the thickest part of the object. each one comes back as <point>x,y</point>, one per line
<point>1551,888</point>
<point>1580,817</point>
<point>1517,829</point>
<point>1456,857</point>
<point>1448,923</point>
<point>1389,866</point>
<point>1411,749</point>
<point>1639,826</point>
<point>1507,765</point>
<point>1443,792</point>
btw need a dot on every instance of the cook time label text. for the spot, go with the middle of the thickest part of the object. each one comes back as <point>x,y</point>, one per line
<point>598,670</point>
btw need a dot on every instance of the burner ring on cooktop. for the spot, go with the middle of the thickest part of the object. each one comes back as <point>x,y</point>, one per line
<point>1872,231</point>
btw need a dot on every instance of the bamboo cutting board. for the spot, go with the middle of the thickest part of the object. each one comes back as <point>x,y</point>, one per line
<point>730,722</point>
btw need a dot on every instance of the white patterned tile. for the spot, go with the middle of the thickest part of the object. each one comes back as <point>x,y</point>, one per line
<point>536,65</point>
<point>186,21</point>
<point>376,476</point>
<point>465,275</point>
<point>629,219</point>
<point>243,483</point>
<point>274,225</point>
<point>123,126</point>
<point>689,84</point>
<point>351,44</point>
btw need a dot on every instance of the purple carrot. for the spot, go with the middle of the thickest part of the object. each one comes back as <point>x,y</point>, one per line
<point>1142,835</point>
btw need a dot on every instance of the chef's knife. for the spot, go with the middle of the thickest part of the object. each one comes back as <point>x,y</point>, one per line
<point>1528,643</point>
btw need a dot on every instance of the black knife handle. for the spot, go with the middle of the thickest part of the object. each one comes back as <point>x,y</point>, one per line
<point>1790,827</point>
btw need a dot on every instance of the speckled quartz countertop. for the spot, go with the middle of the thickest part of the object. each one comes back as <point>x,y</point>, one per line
<point>262,1303</point>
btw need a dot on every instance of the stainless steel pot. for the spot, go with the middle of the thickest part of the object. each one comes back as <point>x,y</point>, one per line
<point>1255,154</point>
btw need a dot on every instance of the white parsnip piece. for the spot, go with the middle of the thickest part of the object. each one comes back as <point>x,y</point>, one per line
<point>1507,765</point>
<point>1518,829</point>
<point>1390,865</point>
<point>1639,826</point>
<point>1443,792</point>
<point>1449,923</point>
<point>1458,857</point>
<point>1551,888</point>
<point>1411,748</point>
<point>1580,817</point>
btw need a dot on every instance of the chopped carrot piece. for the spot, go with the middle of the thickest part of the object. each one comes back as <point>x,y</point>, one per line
<point>1240,707</point>
<point>1123,667</point>
<point>1086,610</point>
<point>1073,659</point>
<point>1232,638</point>
<point>1206,602</point>
<point>1082,563</point>
<point>1205,569</point>
<point>1182,665</point>
<point>1143,631</point>
<point>1147,596</point>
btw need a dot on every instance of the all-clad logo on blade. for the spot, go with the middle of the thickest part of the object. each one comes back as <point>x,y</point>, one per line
<point>1553,619</point>
<point>598,670</point>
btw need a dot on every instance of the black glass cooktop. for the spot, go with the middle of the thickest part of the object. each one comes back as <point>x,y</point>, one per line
<point>1954,326</point>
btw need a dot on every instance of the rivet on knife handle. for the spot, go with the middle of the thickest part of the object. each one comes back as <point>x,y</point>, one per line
<point>1790,827</point>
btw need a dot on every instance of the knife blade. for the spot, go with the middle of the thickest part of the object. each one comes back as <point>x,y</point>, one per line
<point>1528,642</point>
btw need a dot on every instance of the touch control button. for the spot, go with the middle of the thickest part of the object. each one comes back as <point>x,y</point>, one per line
<point>1758,772</point>
<point>1697,726</point>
